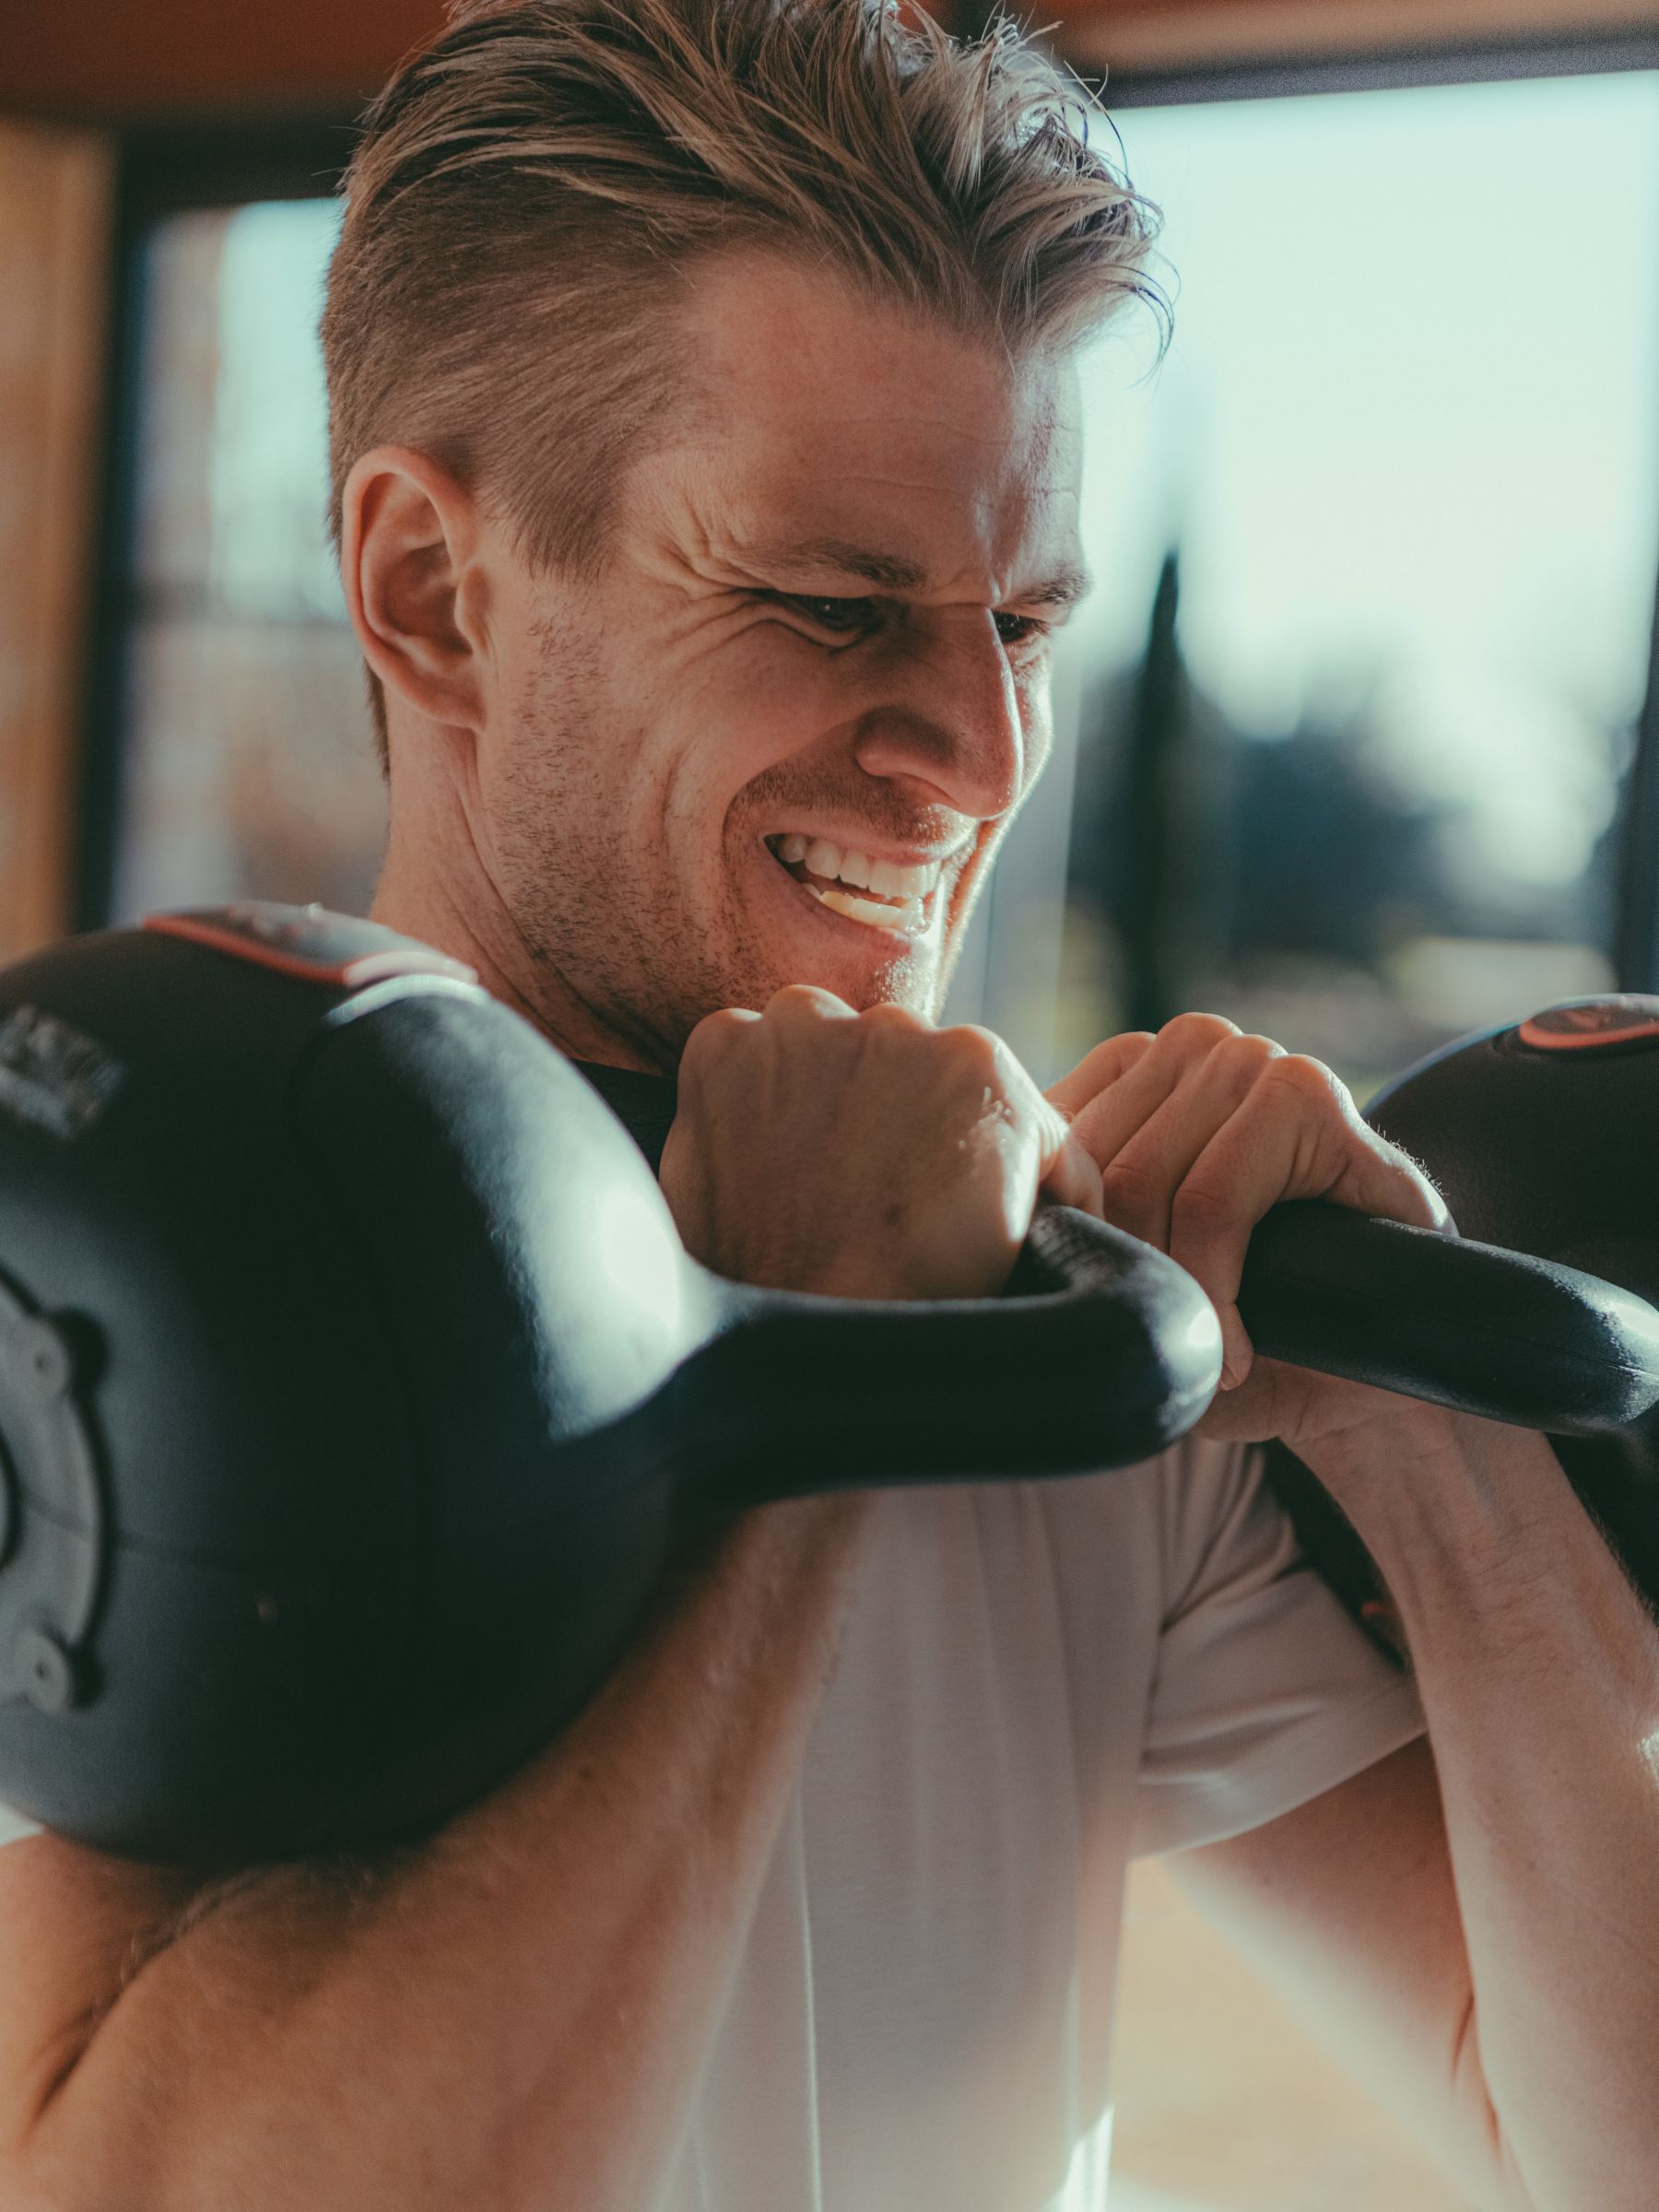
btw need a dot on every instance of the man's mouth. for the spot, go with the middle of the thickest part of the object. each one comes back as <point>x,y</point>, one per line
<point>882,894</point>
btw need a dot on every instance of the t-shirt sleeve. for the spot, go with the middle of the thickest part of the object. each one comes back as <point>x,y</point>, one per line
<point>14,1826</point>
<point>1265,1692</point>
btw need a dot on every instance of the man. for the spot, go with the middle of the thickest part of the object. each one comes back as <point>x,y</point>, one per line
<point>706,465</point>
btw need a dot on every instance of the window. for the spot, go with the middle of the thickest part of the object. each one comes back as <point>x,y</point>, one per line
<point>1376,550</point>
<point>247,766</point>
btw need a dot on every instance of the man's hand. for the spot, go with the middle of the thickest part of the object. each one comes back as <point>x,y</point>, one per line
<point>1197,1131</point>
<point>862,1155</point>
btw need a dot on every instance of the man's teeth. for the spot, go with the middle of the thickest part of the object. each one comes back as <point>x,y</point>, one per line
<point>910,917</point>
<point>839,863</point>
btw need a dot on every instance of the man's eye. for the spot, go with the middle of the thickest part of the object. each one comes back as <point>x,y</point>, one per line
<point>846,618</point>
<point>857,617</point>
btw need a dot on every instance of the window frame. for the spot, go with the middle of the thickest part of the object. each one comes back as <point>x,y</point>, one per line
<point>1319,65</point>
<point>160,171</point>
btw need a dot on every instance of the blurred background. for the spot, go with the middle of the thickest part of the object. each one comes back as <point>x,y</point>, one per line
<point>1358,741</point>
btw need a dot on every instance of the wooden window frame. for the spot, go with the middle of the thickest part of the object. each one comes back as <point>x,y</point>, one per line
<point>1368,44</point>
<point>54,240</point>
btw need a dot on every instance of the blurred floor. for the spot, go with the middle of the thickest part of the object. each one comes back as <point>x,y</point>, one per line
<point>1224,2104</point>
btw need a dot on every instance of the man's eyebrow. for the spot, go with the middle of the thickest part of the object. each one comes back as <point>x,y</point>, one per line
<point>1065,588</point>
<point>812,556</point>
<point>894,572</point>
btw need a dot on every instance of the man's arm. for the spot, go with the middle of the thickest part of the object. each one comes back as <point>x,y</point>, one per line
<point>1496,1968</point>
<point>1489,1965</point>
<point>513,2016</point>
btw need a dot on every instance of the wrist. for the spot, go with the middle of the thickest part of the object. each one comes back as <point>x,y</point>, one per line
<point>1445,1503</point>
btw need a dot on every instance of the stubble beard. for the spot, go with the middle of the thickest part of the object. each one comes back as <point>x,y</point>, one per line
<point>599,915</point>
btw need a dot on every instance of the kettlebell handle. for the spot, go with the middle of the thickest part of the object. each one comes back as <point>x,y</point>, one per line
<point>1100,1353</point>
<point>1443,1318</point>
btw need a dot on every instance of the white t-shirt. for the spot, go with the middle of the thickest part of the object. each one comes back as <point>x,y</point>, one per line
<point>1037,1682</point>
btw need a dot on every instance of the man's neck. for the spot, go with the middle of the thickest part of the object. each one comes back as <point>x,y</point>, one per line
<point>466,921</point>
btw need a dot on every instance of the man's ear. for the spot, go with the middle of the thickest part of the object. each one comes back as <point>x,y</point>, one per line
<point>412,560</point>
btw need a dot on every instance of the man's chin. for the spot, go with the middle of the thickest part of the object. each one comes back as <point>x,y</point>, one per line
<point>913,978</point>
<point>918,987</point>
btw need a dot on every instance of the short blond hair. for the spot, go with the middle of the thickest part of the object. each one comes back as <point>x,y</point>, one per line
<point>528,188</point>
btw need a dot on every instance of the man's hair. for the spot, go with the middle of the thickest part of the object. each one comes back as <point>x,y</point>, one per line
<point>531,189</point>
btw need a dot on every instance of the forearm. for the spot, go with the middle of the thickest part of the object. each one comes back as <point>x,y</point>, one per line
<point>1538,1668</point>
<point>515,2016</point>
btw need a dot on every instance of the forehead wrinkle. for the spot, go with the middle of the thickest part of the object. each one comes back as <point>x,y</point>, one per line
<point>886,571</point>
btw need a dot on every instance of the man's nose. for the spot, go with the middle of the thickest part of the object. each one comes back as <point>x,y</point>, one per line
<point>950,722</point>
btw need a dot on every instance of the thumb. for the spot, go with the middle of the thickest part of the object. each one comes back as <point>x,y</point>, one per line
<point>1069,1174</point>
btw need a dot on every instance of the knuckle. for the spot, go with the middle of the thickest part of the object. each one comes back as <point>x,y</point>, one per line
<point>1310,1081</point>
<point>1107,1060</point>
<point>1198,1032</point>
<point>1254,1055</point>
<point>888,1014</point>
<point>714,1034</point>
<point>976,1053</point>
<point>802,1002</point>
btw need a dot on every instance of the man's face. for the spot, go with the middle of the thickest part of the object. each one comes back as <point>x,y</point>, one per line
<point>781,738</point>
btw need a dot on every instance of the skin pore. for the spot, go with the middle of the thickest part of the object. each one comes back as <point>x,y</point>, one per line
<point>826,610</point>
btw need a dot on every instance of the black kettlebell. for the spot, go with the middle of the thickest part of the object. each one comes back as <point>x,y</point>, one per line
<point>355,1387</point>
<point>1541,1136</point>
